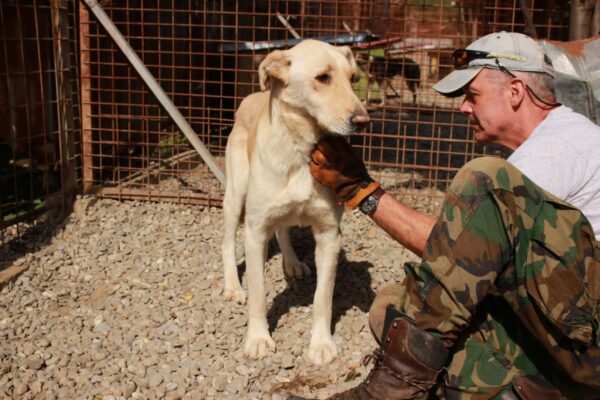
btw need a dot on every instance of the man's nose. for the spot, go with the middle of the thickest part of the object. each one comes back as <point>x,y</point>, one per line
<point>465,107</point>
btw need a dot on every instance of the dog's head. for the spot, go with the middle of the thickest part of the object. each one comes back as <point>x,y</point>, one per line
<point>316,78</point>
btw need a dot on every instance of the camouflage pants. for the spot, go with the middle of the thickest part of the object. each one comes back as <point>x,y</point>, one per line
<point>510,281</point>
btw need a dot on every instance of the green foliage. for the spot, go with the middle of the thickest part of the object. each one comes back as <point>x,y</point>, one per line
<point>168,145</point>
<point>25,208</point>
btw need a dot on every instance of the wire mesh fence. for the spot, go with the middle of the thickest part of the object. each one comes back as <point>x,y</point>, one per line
<point>205,55</point>
<point>39,111</point>
<point>75,116</point>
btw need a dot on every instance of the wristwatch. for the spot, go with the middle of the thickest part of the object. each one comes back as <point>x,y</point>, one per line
<point>369,204</point>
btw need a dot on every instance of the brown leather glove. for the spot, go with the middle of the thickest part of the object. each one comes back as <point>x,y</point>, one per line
<point>335,165</point>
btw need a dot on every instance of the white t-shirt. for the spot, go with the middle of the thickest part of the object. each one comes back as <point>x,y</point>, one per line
<point>562,155</point>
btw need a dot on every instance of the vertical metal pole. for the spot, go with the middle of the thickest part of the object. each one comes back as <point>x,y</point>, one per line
<point>60,43</point>
<point>85,106</point>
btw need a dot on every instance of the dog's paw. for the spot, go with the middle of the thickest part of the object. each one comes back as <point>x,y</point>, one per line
<point>297,269</point>
<point>238,295</point>
<point>321,352</point>
<point>258,346</point>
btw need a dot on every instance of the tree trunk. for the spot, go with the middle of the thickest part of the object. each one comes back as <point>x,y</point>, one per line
<point>529,26</point>
<point>580,25</point>
<point>596,19</point>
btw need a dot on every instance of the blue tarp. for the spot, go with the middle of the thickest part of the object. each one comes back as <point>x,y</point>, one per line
<point>280,44</point>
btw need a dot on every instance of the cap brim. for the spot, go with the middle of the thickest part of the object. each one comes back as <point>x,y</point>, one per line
<point>452,84</point>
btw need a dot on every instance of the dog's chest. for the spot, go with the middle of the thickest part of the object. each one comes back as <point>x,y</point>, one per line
<point>294,200</point>
<point>313,211</point>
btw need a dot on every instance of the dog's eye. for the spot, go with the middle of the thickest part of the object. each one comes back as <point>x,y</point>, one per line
<point>324,78</point>
<point>354,78</point>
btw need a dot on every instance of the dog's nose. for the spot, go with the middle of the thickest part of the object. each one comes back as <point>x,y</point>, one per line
<point>360,120</point>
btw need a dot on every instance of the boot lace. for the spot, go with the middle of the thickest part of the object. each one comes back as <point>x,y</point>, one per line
<point>377,358</point>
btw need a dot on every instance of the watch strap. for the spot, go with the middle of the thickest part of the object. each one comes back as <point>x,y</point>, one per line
<point>373,198</point>
<point>362,194</point>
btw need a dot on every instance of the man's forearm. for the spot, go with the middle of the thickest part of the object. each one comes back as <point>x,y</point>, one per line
<point>409,227</point>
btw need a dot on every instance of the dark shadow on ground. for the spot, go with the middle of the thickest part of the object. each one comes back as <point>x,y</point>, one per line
<point>32,238</point>
<point>352,283</point>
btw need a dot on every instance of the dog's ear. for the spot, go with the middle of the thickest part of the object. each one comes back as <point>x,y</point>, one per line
<point>276,65</point>
<point>347,52</point>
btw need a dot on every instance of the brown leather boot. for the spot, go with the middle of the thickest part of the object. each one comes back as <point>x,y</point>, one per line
<point>406,365</point>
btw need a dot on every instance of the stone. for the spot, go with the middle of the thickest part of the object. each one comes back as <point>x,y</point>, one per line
<point>35,362</point>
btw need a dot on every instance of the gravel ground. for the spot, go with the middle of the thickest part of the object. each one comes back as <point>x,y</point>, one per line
<point>124,300</point>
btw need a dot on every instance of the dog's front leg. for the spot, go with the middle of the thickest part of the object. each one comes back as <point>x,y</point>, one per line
<point>368,93</point>
<point>382,91</point>
<point>322,349</point>
<point>258,340</point>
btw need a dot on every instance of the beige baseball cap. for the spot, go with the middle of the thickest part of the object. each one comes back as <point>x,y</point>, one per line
<point>510,50</point>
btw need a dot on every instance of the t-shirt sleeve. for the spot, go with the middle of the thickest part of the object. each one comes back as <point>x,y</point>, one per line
<point>551,163</point>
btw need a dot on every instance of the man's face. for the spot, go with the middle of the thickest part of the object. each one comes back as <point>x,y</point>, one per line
<point>487,105</point>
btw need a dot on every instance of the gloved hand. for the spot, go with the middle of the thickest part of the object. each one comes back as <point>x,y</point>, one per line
<point>335,165</point>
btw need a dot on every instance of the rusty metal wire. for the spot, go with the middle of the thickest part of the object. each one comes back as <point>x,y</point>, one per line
<point>39,110</point>
<point>206,53</point>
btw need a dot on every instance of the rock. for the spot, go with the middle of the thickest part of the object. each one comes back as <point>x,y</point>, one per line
<point>287,361</point>
<point>242,369</point>
<point>20,388</point>
<point>128,388</point>
<point>357,326</point>
<point>155,379</point>
<point>35,362</point>
<point>35,387</point>
<point>220,382</point>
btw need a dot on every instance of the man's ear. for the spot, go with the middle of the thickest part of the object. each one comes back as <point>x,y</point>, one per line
<point>275,66</point>
<point>518,91</point>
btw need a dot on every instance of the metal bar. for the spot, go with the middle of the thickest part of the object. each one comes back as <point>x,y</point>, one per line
<point>289,27</point>
<point>158,195</point>
<point>64,107</point>
<point>86,99</point>
<point>11,104</point>
<point>156,89</point>
<point>156,167</point>
<point>30,130</point>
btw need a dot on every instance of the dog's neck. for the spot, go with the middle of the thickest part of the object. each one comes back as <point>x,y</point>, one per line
<point>294,127</point>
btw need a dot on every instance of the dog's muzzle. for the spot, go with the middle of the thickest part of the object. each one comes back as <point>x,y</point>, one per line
<point>359,121</point>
